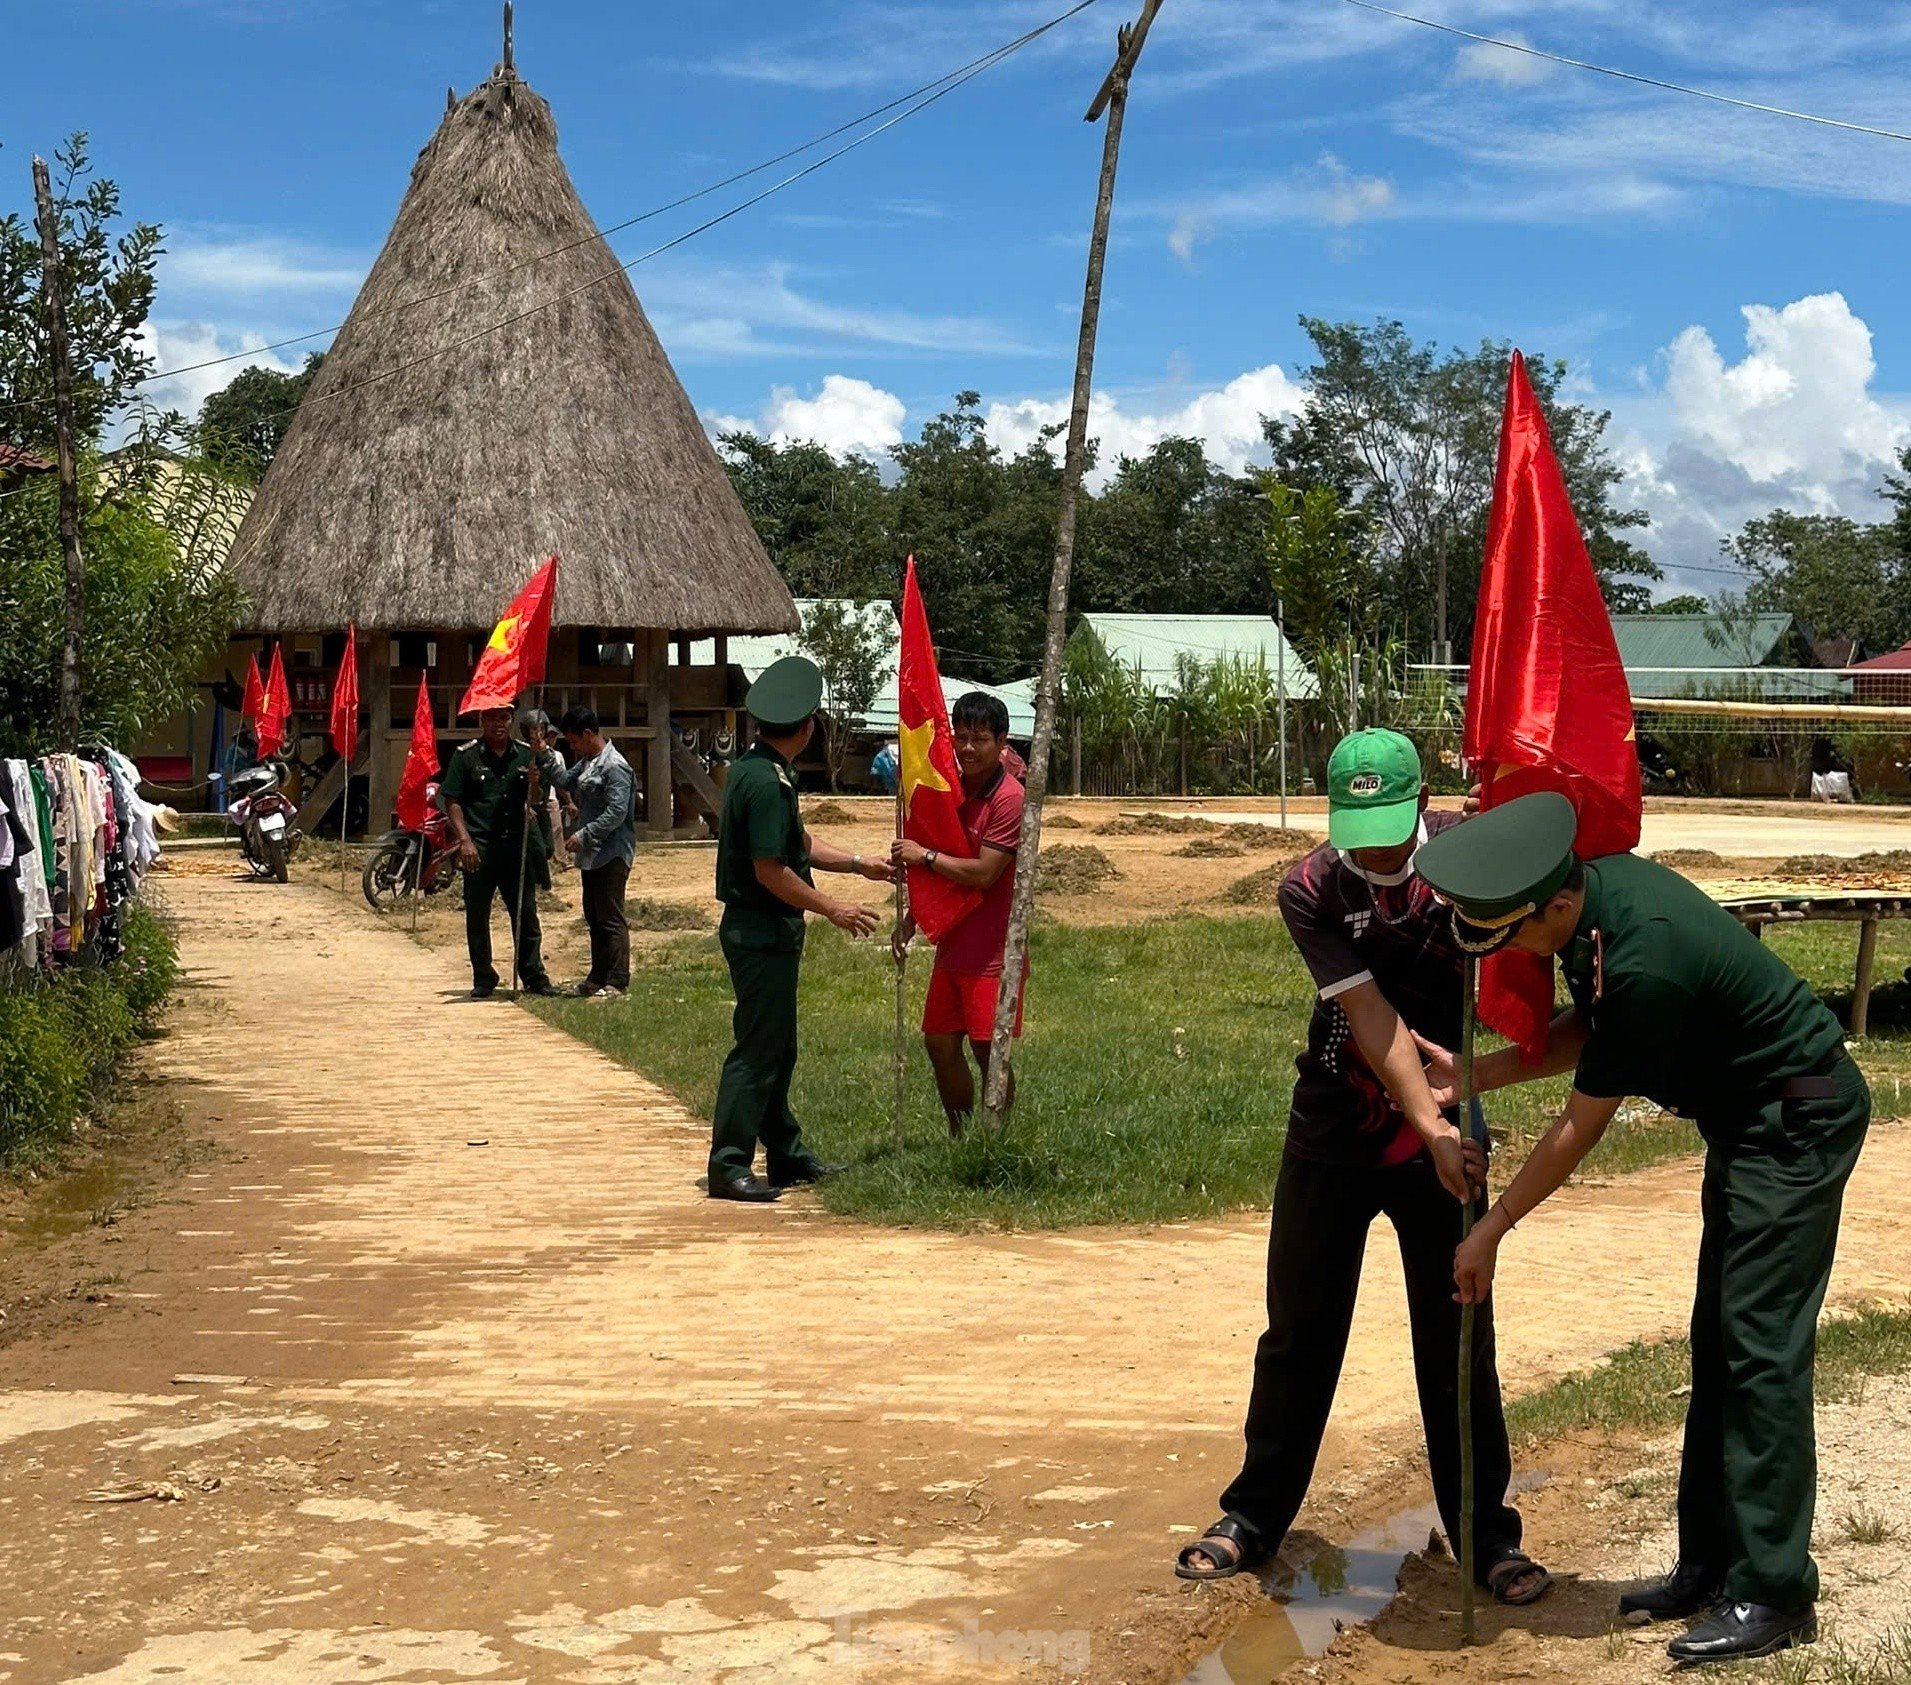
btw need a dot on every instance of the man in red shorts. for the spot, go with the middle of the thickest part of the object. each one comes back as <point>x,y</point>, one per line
<point>968,973</point>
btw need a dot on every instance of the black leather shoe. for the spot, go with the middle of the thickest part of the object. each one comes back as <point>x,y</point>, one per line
<point>809,1170</point>
<point>1688,1590</point>
<point>541,987</point>
<point>483,991</point>
<point>1742,1632</point>
<point>746,1188</point>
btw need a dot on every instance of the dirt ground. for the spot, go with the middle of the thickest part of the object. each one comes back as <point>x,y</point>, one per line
<point>433,1363</point>
<point>1608,1510</point>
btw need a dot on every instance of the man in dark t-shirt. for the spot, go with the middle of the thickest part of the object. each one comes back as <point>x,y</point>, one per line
<point>1365,1136</point>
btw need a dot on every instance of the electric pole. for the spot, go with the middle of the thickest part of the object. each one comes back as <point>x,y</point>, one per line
<point>53,298</point>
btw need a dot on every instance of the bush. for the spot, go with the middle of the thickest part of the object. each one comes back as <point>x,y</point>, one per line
<point>61,1037</point>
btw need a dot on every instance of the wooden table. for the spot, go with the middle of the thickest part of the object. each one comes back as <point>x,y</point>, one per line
<point>1866,908</point>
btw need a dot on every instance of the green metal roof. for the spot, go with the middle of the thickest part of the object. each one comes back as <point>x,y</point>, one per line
<point>1153,644</point>
<point>1711,655</point>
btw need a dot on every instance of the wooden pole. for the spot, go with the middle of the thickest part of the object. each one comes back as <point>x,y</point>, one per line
<point>902,987</point>
<point>53,299</point>
<point>1280,628</point>
<point>524,856</point>
<point>1469,1001</point>
<point>1112,98</point>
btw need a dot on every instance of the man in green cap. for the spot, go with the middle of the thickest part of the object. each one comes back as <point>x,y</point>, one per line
<point>1365,1136</point>
<point>765,866</point>
<point>1675,1000</point>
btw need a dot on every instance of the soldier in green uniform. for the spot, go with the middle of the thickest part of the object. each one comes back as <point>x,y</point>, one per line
<point>485,792</point>
<point>765,866</point>
<point>1675,1000</point>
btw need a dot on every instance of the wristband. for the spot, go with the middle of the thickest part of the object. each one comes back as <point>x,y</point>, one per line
<point>1500,1206</point>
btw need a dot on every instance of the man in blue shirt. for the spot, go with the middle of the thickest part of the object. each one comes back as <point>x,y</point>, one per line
<point>604,843</point>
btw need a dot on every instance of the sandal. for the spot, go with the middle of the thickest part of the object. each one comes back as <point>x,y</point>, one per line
<point>1221,1561</point>
<point>1514,1566</point>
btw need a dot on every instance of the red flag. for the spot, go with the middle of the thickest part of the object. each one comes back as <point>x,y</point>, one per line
<point>421,762</point>
<point>345,700</point>
<point>253,708</point>
<point>1548,706</point>
<point>513,660</point>
<point>275,714</point>
<point>931,784</point>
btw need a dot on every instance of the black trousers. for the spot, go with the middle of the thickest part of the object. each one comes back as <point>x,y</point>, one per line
<point>1321,1217</point>
<point>604,917</point>
<point>498,877</point>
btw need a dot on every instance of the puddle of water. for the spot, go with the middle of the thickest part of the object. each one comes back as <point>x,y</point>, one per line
<point>70,1202</point>
<point>1341,1586</point>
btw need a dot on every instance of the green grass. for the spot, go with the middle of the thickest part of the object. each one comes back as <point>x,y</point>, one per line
<point>1643,1387</point>
<point>1154,1078</point>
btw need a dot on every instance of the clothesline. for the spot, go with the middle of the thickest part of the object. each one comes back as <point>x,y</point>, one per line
<point>76,842</point>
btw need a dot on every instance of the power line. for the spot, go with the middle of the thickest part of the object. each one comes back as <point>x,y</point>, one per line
<point>935,88</point>
<point>1628,75</point>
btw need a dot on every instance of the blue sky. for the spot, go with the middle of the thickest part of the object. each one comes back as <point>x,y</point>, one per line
<point>1731,285</point>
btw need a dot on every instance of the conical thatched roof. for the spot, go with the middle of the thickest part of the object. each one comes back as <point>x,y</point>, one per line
<point>424,498</point>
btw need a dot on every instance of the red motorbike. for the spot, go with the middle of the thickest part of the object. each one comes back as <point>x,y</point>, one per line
<point>412,862</point>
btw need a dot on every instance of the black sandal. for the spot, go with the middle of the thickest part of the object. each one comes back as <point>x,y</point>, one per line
<point>1248,1551</point>
<point>1510,1567</point>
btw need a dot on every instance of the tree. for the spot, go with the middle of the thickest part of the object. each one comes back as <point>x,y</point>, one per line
<point>108,285</point>
<point>1407,436</point>
<point>1840,579</point>
<point>824,520</point>
<point>853,649</point>
<point>245,421</point>
<point>1318,566</point>
<point>156,521</point>
<point>1690,603</point>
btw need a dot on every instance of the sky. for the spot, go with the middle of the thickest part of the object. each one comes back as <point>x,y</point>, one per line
<point>1729,284</point>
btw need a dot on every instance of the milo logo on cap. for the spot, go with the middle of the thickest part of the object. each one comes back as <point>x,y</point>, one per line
<point>1364,784</point>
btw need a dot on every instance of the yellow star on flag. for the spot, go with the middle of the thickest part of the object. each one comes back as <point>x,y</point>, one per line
<point>501,638</point>
<point>918,771</point>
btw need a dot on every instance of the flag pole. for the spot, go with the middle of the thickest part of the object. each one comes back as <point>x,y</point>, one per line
<point>902,982</point>
<point>524,856</point>
<point>344,811</point>
<point>1463,1093</point>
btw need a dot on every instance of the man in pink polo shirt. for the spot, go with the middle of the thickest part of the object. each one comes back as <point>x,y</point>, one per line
<point>968,973</point>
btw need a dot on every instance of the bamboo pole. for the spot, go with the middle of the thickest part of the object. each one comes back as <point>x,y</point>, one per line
<point>1111,98</point>
<point>902,987</point>
<point>53,297</point>
<point>524,856</point>
<point>1469,1001</point>
<point>1280,628</point>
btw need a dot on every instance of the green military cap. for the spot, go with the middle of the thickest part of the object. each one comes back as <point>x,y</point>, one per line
<point>1501,867</point>
<point>1373,790</point>
<point>786,693</point>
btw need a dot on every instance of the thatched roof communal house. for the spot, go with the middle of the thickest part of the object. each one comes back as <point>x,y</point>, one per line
<point>495,397</point>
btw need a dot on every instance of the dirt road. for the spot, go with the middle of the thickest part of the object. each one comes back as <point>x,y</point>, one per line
<point>487,1390</point>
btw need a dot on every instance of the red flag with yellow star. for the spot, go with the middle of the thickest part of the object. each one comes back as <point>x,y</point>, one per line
<point>513,660</point>
<point>1547,703</point>
<point>930,791</point>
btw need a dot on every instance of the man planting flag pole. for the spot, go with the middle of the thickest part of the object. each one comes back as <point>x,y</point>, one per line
<point>344,732</point>
<point>962,823</point>
<point>1675,1000</point>
<point>490,790</point>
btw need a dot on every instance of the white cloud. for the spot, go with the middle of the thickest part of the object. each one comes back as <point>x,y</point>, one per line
<point>1792,424</point>
<point>1797,408</point>
<point>848,417</point>
<point>1226,419</point>
<point>1348,198</point>
<point>1190,229</point>
<point>1479,62</point>
<point>253,265</point>
<point>715,313</point>
<point>175,344</point>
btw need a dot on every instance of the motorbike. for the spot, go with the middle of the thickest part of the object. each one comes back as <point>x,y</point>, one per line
<point>266,821</point>
<point>402,861</point>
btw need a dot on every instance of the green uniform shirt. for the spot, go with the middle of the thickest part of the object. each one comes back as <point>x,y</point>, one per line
<point>760,822</point>
<point>1687,1006</point>
<point>491,790</point>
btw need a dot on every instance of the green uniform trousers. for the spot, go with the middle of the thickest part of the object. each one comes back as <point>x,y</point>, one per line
<point>497,879</point>
<point>1774,1187</point>
<point>753,1095</point>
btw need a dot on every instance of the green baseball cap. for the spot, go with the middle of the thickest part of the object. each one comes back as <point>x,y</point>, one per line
<point>1373,790</point>
<point>786,693</point>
